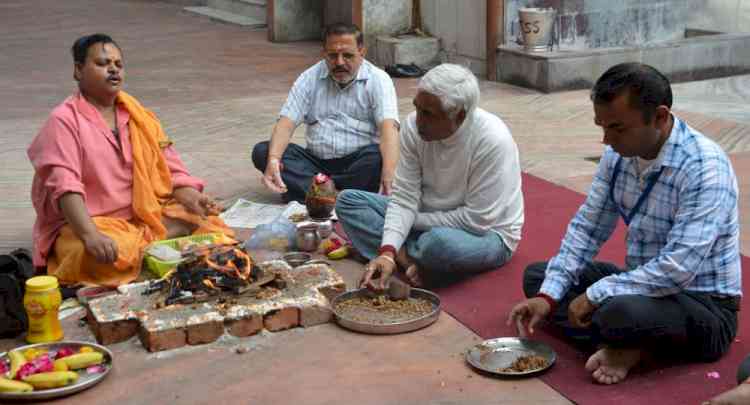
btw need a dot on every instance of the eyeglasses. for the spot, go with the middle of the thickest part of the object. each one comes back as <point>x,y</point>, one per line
<point>348,57</point>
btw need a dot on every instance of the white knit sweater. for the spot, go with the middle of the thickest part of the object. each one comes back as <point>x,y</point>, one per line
<point>469,181</point>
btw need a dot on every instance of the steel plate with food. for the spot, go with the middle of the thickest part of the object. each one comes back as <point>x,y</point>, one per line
<point>361,311</point>
<point>51,370</point>
<point>511,356</point>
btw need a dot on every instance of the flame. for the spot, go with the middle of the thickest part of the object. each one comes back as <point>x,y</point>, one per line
<point>223,239</point>
<point>231,268</point>
<point>205,270</point>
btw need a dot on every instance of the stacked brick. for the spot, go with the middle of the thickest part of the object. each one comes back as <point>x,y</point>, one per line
<point>305,301</point>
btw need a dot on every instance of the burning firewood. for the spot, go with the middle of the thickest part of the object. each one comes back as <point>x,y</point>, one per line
<point>209,271</point>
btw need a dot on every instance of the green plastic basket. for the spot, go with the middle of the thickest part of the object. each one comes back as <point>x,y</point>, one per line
<point>159,267</point>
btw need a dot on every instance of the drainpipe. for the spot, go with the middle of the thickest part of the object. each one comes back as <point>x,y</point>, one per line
<point>493,14</point>
<point>270,16</point>
<point>357,16</point>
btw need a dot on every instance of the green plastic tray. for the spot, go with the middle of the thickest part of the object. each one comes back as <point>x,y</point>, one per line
<point>159,267</point>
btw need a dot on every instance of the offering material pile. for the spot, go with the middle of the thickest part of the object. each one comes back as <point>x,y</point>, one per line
<point>526,363</point>
<point>381,310</point>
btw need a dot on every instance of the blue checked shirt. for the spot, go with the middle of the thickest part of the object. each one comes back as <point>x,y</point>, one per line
<point>341,121</point>
<point>685,236</point>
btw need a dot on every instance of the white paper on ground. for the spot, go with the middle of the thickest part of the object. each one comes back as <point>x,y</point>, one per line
<point>294,208</point>
<point>249,214</point>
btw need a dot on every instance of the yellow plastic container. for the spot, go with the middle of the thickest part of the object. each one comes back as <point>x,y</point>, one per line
<point>42,302</point>
<point>159,267</point>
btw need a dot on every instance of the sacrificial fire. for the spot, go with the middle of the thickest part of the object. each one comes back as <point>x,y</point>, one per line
<point>212,270</point>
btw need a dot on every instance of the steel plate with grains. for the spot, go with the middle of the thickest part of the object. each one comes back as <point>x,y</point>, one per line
<point>359,310</point>
<point>511,356</point>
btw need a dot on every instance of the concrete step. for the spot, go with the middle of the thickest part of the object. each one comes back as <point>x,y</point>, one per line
<point>227,17</point>
<point>248,8</point>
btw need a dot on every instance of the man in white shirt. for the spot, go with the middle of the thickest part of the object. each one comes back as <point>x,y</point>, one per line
<point>456,206</point>
<point>350,109</point>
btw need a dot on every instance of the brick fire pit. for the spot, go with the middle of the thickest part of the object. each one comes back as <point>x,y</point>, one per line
<point>304,301</point>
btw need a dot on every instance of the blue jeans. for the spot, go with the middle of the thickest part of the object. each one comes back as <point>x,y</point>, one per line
<point>441,253</point>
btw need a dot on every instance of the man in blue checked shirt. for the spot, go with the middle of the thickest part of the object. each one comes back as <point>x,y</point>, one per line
<point>350,111</point>
<point>676,191</point>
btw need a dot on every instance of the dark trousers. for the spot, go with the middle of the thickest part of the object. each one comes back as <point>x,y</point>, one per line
<point>690,325</point>
<point>359,170</point>
<point>743,372</point>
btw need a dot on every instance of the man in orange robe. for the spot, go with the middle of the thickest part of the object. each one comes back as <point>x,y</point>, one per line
<point>107,180</point>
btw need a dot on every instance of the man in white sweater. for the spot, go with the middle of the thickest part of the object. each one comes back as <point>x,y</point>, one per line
<point>456,206</point>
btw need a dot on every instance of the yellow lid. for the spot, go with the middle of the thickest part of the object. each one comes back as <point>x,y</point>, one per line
<point>41,283</point>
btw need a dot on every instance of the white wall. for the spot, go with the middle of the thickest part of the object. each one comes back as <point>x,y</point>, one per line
<point>720,15</point>
<point>385,17</point>
<point>461,27</point>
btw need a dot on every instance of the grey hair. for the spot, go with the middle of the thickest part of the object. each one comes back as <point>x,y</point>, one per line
<point>455,86</point>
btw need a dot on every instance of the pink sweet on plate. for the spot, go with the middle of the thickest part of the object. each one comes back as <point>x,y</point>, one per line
<point>64,352</point>
<point>41,364</point>
<point>95,369</point>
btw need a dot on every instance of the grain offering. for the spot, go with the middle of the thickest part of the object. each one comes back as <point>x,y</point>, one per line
<point>525,364</point>
<point>381,310</point>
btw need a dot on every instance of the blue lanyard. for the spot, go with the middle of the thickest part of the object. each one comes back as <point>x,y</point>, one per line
<point>641,199</point>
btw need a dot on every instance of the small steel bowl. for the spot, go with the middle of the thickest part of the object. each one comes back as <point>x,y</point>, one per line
<point>295,259</point>
<point>325,227</point>
<point>307,237</point>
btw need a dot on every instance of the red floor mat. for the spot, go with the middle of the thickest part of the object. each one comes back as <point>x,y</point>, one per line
<point>483,302</point>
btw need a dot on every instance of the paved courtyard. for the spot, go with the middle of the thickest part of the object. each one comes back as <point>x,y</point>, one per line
<point>217,89</point>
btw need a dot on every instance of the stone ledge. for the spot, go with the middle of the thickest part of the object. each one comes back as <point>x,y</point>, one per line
<point>405,50</point>
<point>694,58</point>
<point>304,302</point>
<point>227,17</point>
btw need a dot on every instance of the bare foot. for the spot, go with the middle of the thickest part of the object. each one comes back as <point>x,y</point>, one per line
<point>177,227</point>
<point>739,395</point>
<point>412,275</point>
<point>611,366</point>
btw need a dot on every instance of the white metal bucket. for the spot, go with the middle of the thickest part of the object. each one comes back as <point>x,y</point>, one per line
<point>536,28</point>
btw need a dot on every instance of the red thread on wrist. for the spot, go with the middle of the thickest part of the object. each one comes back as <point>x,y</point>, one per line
<point>387,248</point>
<point>551,301</point>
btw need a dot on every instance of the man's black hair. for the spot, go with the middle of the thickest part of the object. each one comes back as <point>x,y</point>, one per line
<point>81,47</point>
<point>344,29</point>
<point>647,87</point>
